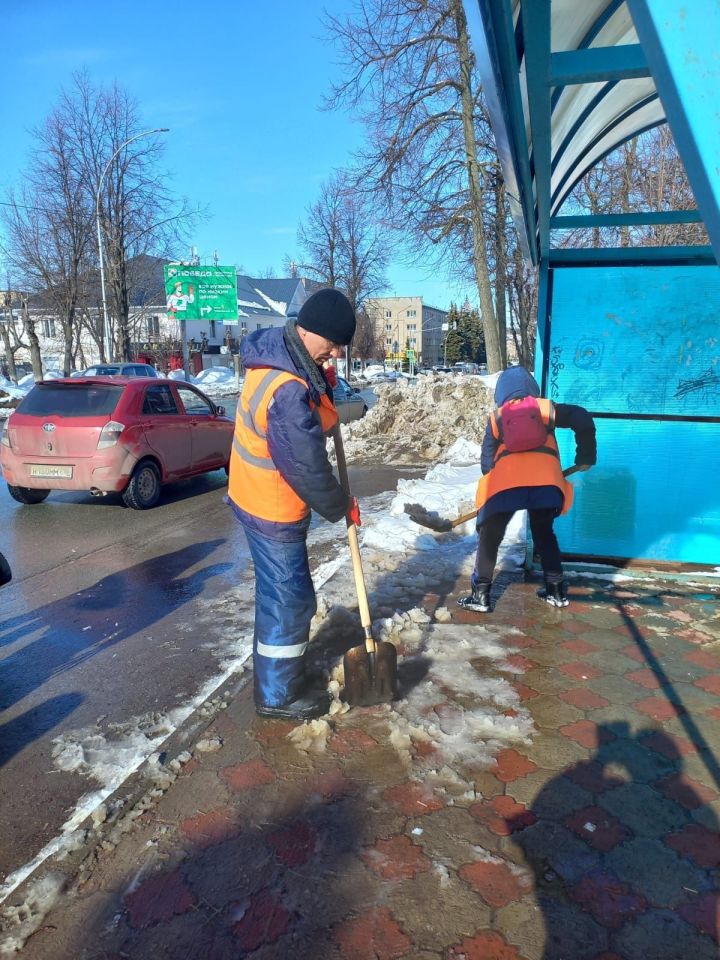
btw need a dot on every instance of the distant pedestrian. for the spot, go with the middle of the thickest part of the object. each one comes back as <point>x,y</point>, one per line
<point>279,471</point>
<point>522,471</point>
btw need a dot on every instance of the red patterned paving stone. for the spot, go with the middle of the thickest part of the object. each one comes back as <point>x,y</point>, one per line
<point>159,898</point>
<point>352,740</point>
<point>668,745</point>
<point>413,799</point>
<point>584,699</point>
<point>396,858</point>
<point>592,776</point>
<point>587,733</point>
<point>502,815</point>
<point>251,773</point>
<point>711,684</point>
<point>265,731</point>
<point>518,662</point>
<point>264,921</point>
<point>372,936</point>
<point>611,902</point>
<point>687,792</point>
<point>644,678</point>
<point>206,829</point>
<point>682,616</point>
<point>579,646</point>
<point>597,827</point>
<point>633,653</point>
<point>295,844</point>
<point>512,765</point>
<point>695,636</point>
<point>484,946</point>
<point>330,785</point>
<point>698,844</point>
<point>494,881</point>
<point>658,708</point>
<point>580,671</point>
<point>574,626</point>
<point>521,641</point>
<point>701,658</point>
<point>703,912</point>
<point>525,692</point>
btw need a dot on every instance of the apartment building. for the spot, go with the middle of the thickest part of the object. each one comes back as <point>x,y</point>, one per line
<point>409,330</point>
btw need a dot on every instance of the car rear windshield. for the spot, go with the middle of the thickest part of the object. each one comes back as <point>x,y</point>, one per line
<point>70,400</point>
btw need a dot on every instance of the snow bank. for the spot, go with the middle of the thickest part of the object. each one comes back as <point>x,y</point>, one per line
<point>416,421</point>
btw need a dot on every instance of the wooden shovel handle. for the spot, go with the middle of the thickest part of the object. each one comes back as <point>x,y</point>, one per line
<point>365,618</point>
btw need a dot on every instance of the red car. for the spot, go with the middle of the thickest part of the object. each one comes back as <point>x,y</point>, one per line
<point>111,434</point>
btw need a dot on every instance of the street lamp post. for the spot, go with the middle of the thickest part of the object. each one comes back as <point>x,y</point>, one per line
<point>106,323</point>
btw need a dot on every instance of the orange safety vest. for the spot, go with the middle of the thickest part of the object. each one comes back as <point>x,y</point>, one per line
<point>255,484</point>
<point>531,468</point>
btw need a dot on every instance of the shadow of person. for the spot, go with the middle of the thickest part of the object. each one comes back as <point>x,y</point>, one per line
<point>74,628</point>
<point>625,852</point>
<point>244,878</point>
<point>17,733</point>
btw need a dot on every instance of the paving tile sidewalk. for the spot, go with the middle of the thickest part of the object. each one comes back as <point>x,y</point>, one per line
<point>596,841</point>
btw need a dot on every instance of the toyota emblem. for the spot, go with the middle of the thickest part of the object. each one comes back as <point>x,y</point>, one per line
<point>48,427</point>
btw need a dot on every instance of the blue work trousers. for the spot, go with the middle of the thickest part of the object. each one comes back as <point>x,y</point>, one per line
<point>285,604</point>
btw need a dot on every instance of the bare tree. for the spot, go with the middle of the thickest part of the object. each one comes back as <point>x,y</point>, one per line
<point>411,78</point>
<point>343,245</point>
<point>49,226</point>
<point>138,213</point>
<point>365,342</point>
<point>647,174</point>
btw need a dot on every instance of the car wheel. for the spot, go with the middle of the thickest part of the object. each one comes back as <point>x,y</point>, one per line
<point>27,494</point>
<point>143,491</point>
<point>364,411</point>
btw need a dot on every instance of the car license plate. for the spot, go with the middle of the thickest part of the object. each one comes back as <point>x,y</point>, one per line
<point>50,470</point>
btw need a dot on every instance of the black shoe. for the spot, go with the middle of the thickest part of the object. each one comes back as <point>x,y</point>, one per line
<point>313,703</point>
<point>478,601</point>
<point>555,594</point>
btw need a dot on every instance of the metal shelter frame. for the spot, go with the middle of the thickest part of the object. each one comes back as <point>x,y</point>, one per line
<point>568,82</point>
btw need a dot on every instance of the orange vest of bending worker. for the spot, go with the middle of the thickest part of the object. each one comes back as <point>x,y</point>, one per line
<point>255,485</point>
<point>539,467</point>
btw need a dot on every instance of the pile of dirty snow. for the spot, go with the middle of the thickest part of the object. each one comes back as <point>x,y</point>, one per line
<point>420,421</point>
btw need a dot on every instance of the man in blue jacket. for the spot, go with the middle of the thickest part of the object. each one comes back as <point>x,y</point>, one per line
<point>279,472</point>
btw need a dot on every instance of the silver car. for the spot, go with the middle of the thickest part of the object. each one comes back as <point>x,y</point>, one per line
<point>350,405</point>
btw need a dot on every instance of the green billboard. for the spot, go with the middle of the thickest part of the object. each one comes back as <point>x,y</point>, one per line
<point>201,293</point>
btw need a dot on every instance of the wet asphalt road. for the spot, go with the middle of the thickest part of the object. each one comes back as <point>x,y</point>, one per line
<point>100,625</point>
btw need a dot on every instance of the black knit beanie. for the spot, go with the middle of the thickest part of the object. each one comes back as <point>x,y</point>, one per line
<point>328,313</point>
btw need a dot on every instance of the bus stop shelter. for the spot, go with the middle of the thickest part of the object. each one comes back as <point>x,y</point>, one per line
<point>631,333</point>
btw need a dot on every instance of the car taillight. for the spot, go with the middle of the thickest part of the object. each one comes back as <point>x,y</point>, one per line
<point>110,434</point>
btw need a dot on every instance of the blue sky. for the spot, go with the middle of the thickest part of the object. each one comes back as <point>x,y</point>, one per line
<point>240,85</point>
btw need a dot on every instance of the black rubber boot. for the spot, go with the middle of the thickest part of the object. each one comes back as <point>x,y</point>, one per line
<point>479,599</point>
<point>312,703</point>
<point>555,594</point>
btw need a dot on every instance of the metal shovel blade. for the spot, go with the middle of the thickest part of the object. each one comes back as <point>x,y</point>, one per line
<point>418,514</point>
<point>370,678</point>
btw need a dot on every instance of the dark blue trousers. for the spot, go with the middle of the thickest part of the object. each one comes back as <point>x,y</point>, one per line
<point>284,606</point>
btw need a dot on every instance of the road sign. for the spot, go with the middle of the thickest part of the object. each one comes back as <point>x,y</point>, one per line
<point>201,293</point>
<point>411,354</point>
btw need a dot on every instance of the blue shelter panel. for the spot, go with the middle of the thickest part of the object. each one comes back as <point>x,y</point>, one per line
<point>640,348</point>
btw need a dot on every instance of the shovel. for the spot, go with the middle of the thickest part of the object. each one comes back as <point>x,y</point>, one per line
<point>371,669</point>
<point>418,514</point>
